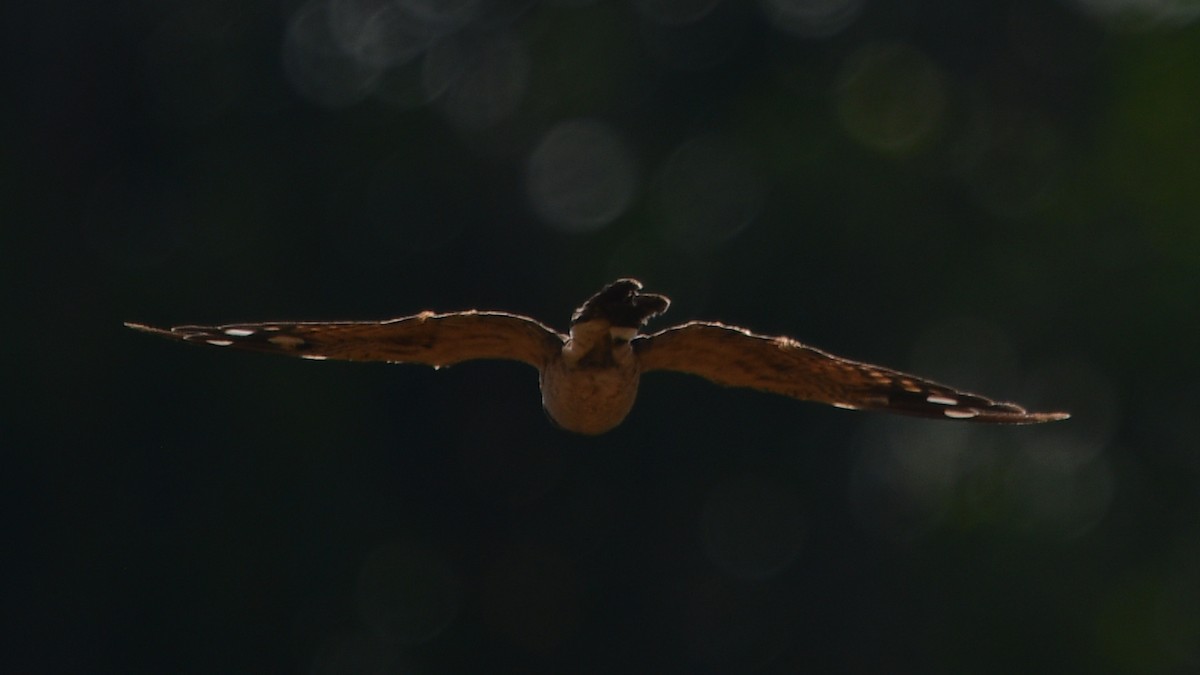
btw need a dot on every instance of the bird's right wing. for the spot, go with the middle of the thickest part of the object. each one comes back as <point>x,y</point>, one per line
<point>428,338</point>
<point>736,357</point>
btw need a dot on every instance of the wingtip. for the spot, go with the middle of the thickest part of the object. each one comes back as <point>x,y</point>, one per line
<point>143,328</point>
<point>1031,417</point>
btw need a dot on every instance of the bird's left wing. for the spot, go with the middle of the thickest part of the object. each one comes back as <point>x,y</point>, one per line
<point>738,358</point>
<point>427,338</point>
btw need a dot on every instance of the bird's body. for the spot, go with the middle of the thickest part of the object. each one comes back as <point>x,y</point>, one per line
<point>592,384</point>
<point>589,377</point>
<point>589,399</point>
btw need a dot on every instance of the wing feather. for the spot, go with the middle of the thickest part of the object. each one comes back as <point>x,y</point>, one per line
<point>426,338</point>
<point>736,357</point>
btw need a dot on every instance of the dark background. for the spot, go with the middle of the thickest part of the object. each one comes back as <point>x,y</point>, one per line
<point>1000,195</point>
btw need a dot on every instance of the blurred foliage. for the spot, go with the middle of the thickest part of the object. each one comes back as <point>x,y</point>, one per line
<point>998,194</point>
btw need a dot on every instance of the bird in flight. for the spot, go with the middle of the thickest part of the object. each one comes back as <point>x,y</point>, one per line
<point>589,377</point>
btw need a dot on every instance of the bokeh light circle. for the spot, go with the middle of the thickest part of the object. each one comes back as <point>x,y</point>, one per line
<point>890,97</point>
<point>811,18</point>
<point>581,176</point>
<point>708,191</point>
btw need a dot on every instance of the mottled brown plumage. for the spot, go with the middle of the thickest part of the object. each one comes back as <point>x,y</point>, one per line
<point>735,357</point>
<point>589,378</point>
<point>426,338</point>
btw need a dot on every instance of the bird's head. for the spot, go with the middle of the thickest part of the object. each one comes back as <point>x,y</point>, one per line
<point>621,304</point>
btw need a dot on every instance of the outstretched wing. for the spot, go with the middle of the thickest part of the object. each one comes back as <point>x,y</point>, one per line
<point>738,358</point>
<point>428,338</point>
